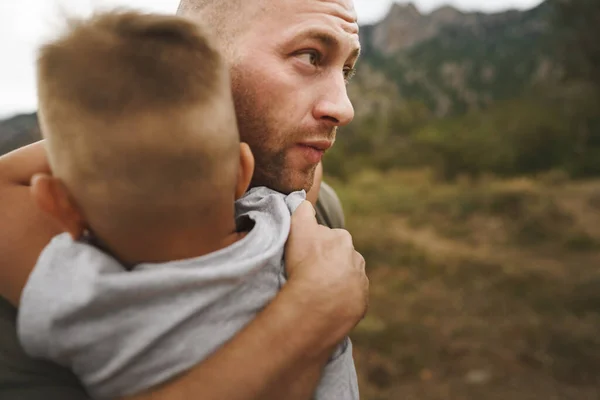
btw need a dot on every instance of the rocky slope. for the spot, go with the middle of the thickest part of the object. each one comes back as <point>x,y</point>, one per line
<point>455,62</point>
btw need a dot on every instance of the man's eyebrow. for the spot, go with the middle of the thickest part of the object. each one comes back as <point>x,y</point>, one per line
<point>331,41</point>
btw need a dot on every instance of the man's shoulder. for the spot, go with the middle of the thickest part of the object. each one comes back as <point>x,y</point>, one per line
<point>329,208</point>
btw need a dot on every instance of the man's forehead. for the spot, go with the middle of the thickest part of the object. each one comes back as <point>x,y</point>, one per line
<point>341,10</point>
<point>331,22</point>
<point>346,8</point>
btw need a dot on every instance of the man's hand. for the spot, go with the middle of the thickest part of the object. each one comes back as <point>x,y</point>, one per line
<point>328,273</point>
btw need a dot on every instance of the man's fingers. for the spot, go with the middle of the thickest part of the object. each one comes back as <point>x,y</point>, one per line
<point>36,178</point>
<point>343,236</point>
<point>304,215</point>
<point>304,223</point>
<point>359,260</point>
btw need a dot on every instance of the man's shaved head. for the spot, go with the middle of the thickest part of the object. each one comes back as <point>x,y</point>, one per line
<point>225,18</point>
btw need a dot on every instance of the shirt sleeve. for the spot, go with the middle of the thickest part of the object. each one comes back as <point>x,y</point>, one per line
<point>339,379</point>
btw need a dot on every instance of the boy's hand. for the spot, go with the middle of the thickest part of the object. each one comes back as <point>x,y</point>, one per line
<point>327,272</point>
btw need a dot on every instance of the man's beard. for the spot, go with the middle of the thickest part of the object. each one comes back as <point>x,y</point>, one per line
<point>270,147</point>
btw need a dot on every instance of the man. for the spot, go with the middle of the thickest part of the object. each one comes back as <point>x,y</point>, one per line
<point>289,64</point>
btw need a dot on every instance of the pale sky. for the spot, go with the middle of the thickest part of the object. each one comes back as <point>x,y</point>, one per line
<point>24,24</point>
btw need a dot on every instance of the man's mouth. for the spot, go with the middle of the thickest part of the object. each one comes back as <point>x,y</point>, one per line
<point>320,145</point>
<point>314,150</point>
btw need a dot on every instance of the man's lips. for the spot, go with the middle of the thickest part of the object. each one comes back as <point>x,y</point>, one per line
<point>313,151</point>
<point>321,145</point>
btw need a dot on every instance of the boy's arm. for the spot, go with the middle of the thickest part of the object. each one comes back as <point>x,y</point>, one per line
<point>26,230</point>
<point>325,297</point>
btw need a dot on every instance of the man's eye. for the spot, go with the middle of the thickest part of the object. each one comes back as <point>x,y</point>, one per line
<point>311,57</point>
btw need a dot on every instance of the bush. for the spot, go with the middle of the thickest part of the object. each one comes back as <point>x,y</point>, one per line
<point>512,138</point>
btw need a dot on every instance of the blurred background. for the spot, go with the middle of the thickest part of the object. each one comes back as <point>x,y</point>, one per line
<point>470,179</point>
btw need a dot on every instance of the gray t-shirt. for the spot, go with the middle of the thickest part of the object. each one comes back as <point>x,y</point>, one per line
<point>124,331</point>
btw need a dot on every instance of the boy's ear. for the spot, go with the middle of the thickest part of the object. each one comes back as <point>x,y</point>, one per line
<point>245,171</point>
<point>52,197</point>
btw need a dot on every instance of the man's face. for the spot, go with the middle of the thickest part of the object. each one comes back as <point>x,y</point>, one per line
<point>289,85</point>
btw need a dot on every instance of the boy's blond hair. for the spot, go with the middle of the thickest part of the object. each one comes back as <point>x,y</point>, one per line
<point>138,117</point>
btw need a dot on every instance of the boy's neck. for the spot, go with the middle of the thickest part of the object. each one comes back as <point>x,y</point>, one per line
<point>165,246</point>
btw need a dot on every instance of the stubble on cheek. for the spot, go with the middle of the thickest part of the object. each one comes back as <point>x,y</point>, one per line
<point>262,127</point>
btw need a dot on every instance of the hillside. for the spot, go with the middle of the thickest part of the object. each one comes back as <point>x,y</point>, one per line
<point>455,62</point>
<point>483,291</point>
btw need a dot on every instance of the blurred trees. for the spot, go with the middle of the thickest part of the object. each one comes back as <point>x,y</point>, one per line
<point>380,139</point>
<point>577,30</point>
<point>515,137</point>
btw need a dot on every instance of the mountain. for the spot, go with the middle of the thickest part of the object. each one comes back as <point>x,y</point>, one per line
<point>405,26</point>
<point>455,62</point>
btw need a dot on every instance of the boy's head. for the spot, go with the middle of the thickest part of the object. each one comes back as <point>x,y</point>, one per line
<point>140,127</point>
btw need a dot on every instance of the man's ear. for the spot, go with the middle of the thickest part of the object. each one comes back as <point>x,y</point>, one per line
<point>245,171</point>
<point>52,197</point>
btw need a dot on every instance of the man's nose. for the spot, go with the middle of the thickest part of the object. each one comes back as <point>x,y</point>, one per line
<point>335,106</point>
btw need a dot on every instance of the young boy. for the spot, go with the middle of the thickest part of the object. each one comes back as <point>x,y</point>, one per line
<point>166,255</point>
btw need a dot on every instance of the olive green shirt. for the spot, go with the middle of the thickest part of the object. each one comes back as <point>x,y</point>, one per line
<point>24,378</point>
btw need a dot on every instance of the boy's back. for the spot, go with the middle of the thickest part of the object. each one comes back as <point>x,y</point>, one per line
<point>124,332</point>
